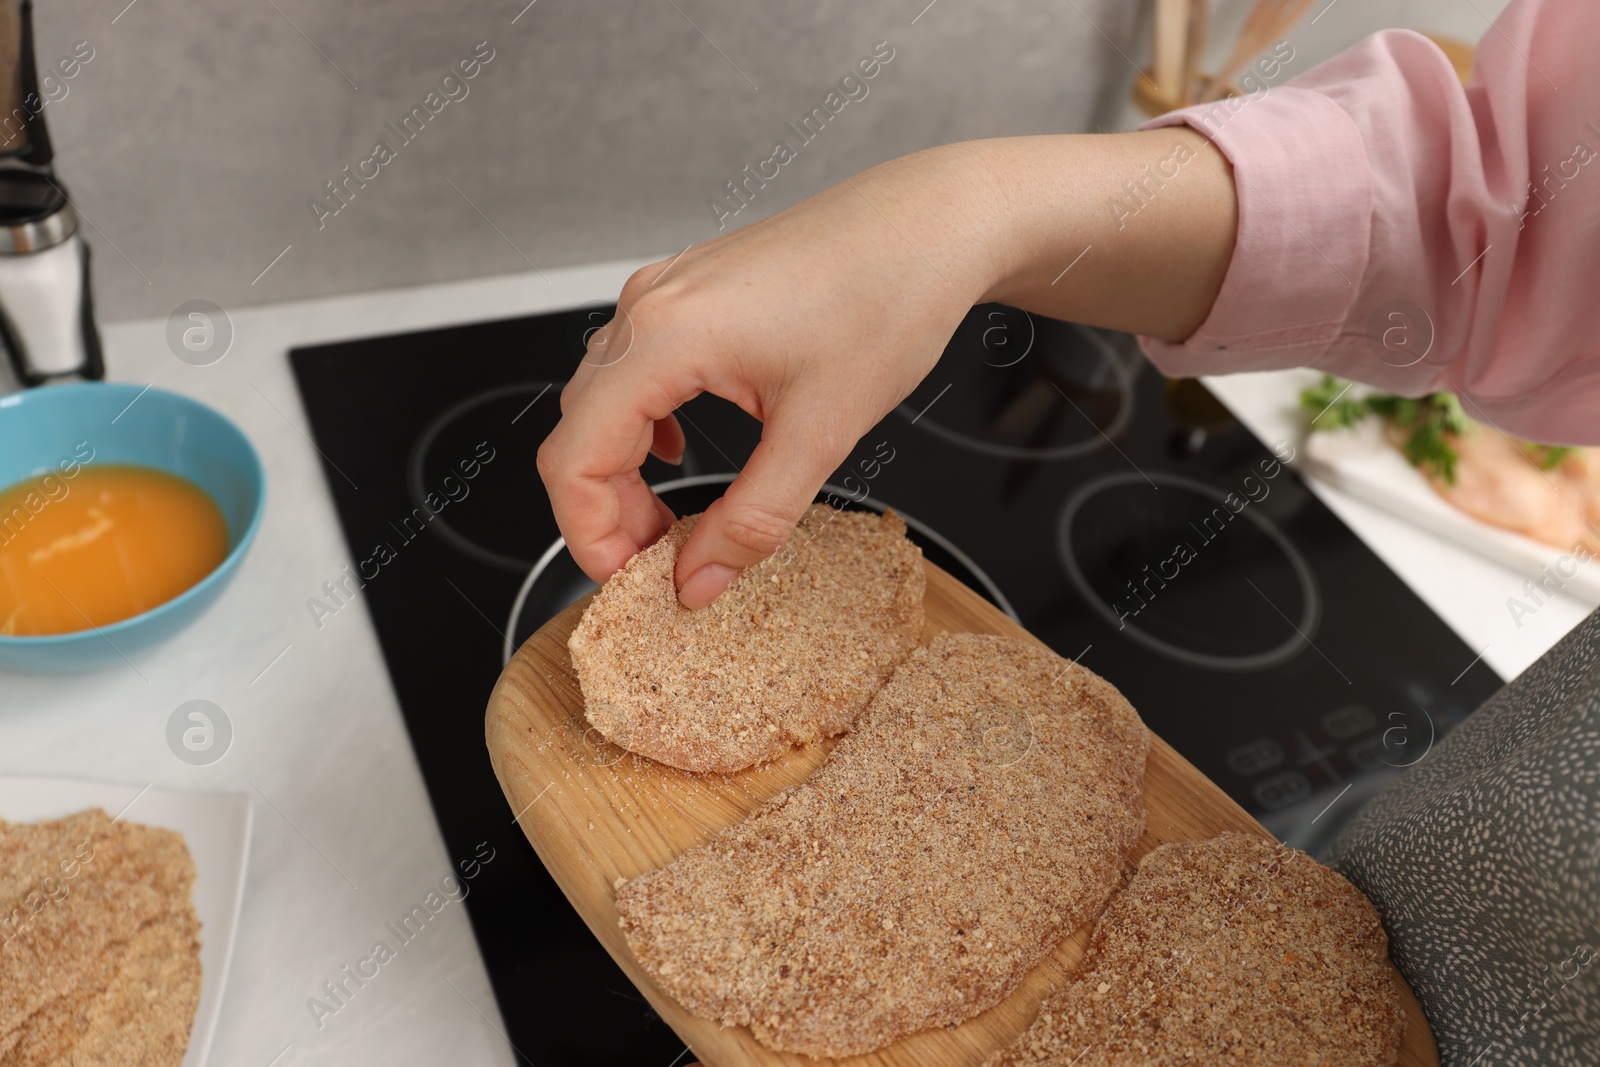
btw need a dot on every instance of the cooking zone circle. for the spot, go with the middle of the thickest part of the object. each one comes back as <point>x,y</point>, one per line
<point>1182,568</point>
<point>1019,387</point>
<point>509,423</point>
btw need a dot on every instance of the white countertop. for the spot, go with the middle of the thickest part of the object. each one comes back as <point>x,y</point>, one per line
<point>345,840</point>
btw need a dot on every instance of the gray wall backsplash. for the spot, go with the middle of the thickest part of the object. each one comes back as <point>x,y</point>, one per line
<point>200,132</point>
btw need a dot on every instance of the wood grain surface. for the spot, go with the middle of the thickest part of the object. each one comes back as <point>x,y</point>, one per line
<point>596,814</point>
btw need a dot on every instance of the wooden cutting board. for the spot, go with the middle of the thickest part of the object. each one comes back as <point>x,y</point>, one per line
<point>595,814</point>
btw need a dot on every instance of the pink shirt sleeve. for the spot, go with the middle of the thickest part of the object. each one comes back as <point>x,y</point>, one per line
<point>1400,230</point>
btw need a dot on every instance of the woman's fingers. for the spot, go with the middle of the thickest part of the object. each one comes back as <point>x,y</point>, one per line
<point>604,347</point>
<point>754,518</point>
<point>816,321</point>
<point>590,465</point>
<point>641,514</point>
<point>668,442</point>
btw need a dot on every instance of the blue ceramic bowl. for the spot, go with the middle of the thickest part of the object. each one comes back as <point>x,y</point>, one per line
<point>41,428</point>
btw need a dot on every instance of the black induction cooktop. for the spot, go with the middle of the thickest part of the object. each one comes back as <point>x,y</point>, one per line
<point>1125,519</point>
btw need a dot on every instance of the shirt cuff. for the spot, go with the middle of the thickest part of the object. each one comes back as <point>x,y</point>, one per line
<point>1305,195</point>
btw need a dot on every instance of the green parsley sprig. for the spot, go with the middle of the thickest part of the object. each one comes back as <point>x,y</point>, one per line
<point>1548,457</point>
<point>1430,422</point>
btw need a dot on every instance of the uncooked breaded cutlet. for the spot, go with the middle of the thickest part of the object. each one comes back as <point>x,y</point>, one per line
<point>99,943</point>
<point>790,654</point>
<point>981,809</point>
<point>1230,950</point>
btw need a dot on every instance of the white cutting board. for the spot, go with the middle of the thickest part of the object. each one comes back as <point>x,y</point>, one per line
<point>1363,464</point>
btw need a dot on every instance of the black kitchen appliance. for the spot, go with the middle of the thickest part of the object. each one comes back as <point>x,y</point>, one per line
<point>1125,519</point>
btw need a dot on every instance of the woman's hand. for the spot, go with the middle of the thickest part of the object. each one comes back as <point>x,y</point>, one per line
<point>821,319</point>
<point>817,321</point>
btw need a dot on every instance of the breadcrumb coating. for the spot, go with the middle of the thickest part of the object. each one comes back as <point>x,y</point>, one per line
<point>1230,950</point>
<point>983,808</point>
<point>99,943</point>
<point>790,654</point>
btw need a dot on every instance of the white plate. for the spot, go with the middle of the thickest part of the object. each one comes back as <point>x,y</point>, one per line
<point>1361,462</point>
<point>215,826</point>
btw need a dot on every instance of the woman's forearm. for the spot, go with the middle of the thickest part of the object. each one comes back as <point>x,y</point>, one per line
<point>822,318</point>
<point>1130,231</point>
